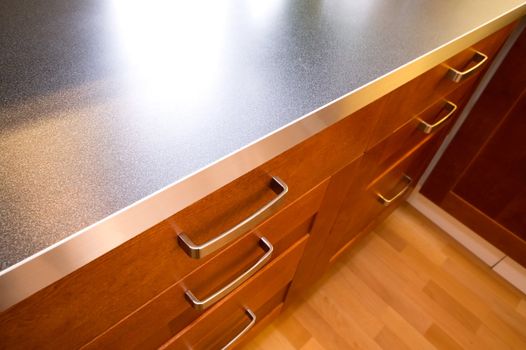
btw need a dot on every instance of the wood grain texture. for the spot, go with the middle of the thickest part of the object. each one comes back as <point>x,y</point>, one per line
<point>408,285</point>
<point>481,178</point>
<point>313,263</point>
<point>381,172</point>
<point>406,139</point>
<point>224,320</point>
<point>407,151</point>
<point>502,163</point>
<point>170,312</point>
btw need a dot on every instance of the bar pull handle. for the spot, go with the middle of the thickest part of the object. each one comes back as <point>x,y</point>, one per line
<point>458,76</point>
<point>427,128</point>
<point>252,318</point>
<point>210,300</point>
<point>200,251</point>
<point>387,201</point>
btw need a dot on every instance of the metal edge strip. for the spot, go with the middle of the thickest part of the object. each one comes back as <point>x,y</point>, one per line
<point>42,269</point>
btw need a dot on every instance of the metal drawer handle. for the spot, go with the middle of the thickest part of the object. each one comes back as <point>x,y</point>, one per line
<point>387,201</point>
<point>427,128</point>
<point>200,251</point>
<point>458,76</point>
<point>205,303</point>
<point>252,318</point>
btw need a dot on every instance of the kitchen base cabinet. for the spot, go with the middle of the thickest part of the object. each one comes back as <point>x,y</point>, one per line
<point>390,170</point>
<point>217,271</point>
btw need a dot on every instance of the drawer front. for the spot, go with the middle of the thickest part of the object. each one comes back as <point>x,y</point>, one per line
<point>434,122</point>
<point>171,311</point>
<point>228,319</point>
<point>375,197</point>
<point>230,328</point>
<point>282,230</point>
<point>101,295</point>
<point>413,97</point>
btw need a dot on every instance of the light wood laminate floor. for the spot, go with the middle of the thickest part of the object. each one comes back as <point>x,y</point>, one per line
<point>406,286</point>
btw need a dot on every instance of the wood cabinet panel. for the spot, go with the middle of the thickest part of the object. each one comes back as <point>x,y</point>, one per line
<point>312,264</point>
<point>511,244</point>
<point>350,208</point>
<point>261,295</point>
<point>501,163</point>
<point>382,171</point>
<point>363,210</point>
<point>133,295</point>
<point>170,312</point>
<point>410,136</point>
<point>282,230</point>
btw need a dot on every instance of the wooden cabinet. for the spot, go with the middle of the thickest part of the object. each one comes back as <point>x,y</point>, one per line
<point>412,122</point>
<point>169,312</point>
<point>156,290</point>
<point>481,178</point>
<point>388,172</point>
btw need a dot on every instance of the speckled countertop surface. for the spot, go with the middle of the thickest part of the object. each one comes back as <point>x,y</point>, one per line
<point>103,102</point>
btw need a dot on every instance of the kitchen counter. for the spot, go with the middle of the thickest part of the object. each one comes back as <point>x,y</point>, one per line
<point>116,114</point>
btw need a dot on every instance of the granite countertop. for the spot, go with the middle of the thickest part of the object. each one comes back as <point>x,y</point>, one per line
<point>105,102</point>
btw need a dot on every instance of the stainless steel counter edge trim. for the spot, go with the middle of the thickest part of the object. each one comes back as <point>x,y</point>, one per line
<point>40,270</point>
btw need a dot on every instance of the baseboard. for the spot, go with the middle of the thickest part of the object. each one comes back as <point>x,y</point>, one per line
<point>485,251</point>
<point>464,235</point>
<point>512,272</point>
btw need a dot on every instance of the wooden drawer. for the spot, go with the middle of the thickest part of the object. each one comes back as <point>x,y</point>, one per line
<point>433,122</point>
<point>234,328</point>
<point>261,295</point>
<point>170,312</point>
<point>413,97</point>
<point>372,197</point>
<point>282,230</point>
<point>382,168</point>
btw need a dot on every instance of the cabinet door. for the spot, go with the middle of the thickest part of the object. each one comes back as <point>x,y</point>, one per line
<point>481,179</point>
